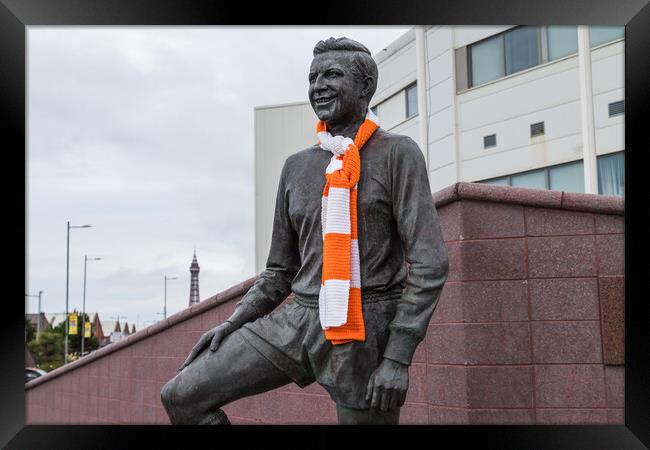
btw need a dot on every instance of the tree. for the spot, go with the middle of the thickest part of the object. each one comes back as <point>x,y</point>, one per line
<point>49,349</point>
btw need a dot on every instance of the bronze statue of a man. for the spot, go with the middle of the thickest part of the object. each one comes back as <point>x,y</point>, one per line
<point>401,263</point>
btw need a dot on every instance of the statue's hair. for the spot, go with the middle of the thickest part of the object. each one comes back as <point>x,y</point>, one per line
<point>363,65</point>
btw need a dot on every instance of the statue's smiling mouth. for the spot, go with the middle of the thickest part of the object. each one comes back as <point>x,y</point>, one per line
<point>324,100</point>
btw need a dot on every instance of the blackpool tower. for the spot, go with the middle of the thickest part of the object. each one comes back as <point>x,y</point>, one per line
<point>194,283</point>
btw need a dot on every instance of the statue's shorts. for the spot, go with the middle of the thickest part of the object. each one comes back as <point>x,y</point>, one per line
<point>291,337</point>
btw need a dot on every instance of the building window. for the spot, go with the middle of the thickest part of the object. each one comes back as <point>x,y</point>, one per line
<point>535,179</point>
<point>487,60</point>
<point>490,141</point>
<point>611,174</point>
<point>521,47</point>
<point>616,108</point>
<point>503,181</point>
<point>562,41</point>
<point>570,177</point>
<point>536,129</point>
<point>411,100</point>
<point>567,177</point>
<point>600,35</point>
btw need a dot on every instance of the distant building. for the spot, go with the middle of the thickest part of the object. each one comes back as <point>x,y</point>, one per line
<point>97,329</point>
<point>54,319</point>
<point>194,281</point>
<point>105,337</point>
<point>116,334</point>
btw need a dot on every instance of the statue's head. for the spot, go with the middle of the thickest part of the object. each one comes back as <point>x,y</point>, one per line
<point>342,80</point>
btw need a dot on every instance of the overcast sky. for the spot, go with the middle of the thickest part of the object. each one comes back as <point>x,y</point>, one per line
<point>146,133</point>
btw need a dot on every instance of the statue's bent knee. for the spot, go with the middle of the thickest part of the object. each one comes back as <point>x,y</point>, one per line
<point>167,394</point>
<point>175,402</point>
<point>182,410</point>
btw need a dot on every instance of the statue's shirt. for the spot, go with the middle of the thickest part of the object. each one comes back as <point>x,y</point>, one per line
<point>397,224</point>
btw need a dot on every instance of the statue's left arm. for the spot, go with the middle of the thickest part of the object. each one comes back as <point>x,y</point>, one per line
<point>424,250</point>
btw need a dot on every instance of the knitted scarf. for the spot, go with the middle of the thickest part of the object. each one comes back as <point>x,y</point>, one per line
<point>339,299</point>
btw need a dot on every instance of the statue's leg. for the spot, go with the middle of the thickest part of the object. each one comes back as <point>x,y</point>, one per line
<point>349,416</point>
<point>235,370</point>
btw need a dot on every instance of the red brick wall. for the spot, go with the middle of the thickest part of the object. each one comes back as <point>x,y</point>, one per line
<point>528,329</point>
<point>517,335</point>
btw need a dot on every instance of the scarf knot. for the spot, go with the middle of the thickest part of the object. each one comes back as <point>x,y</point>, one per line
<point>338,145</point>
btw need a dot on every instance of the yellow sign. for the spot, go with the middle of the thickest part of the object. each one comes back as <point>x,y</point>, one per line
<point>73,323</point>
<point>87,329</point>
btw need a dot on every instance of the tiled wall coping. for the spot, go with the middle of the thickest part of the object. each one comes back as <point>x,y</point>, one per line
<point>603,204</point>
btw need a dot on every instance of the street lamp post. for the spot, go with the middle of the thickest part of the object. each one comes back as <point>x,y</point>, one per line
<point>67,288</point>
<point>83,308</point>
<point>165,307</point>
<point>38,317</point>
<point>38,321</point>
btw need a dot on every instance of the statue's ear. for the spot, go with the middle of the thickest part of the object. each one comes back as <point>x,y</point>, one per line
<point>368,84</point>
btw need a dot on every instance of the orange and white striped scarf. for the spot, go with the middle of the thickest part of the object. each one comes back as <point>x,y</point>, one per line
<point>339,300</point>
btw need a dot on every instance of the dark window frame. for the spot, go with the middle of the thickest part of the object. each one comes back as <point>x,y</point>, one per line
<point>406,100</point>
<point>492,145</point>
<point>543,128</point>
<point>616,114</point>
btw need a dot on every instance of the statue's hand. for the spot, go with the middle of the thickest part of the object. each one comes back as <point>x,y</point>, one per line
<point>388,385</point>
<point>212,337</point>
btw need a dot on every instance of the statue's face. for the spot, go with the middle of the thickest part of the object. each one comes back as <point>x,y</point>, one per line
<point>335,94</point>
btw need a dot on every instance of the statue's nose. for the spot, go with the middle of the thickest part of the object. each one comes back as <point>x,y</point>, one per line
<point>319,84</point>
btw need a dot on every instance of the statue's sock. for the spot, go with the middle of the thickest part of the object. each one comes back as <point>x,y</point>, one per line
<point>217,418</point>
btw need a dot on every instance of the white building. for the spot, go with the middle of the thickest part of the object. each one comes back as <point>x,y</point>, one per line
<point>503,106</point>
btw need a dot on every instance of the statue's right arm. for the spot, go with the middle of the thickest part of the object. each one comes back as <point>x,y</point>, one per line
<point>274,284</point>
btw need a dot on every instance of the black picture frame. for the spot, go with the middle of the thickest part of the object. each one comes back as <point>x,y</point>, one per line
<point>16,15</point>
